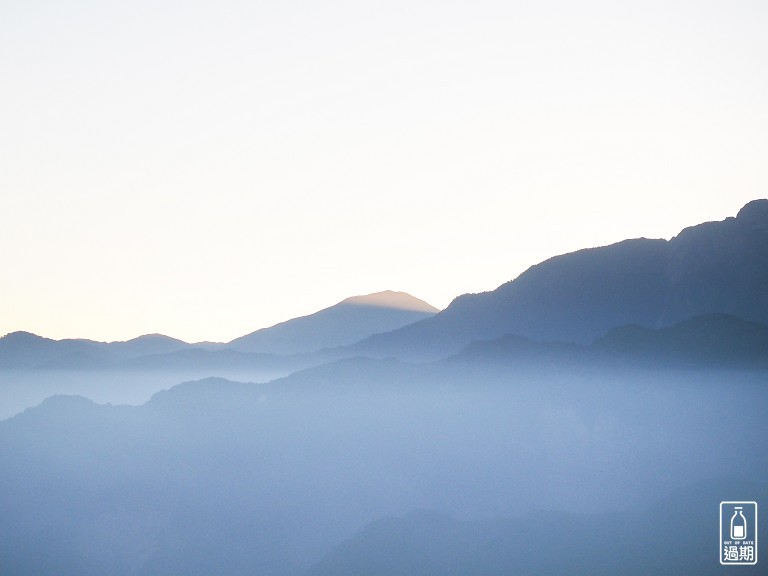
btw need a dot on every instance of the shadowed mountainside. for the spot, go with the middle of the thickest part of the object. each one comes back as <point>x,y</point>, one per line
<point>715,267</point>
<point>708,341</point>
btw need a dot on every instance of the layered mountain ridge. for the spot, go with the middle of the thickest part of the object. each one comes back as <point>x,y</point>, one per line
<point>528,450</point>
<point>715,267</point>
<point>348,321</point>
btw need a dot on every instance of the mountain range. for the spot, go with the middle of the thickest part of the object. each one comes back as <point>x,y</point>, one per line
<point>715,267</point>
<point>20,350</point>
<point>33,368</point>
<point>344,323</point>
<point>711,268</point>
<point>584,418</point>
<point>615,303</point>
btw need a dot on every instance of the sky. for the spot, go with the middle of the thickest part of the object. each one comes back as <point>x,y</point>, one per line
<point>204,169</point>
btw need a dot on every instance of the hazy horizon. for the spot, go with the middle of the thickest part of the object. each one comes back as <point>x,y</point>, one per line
<point>206,170</point>
<point>340,300</point>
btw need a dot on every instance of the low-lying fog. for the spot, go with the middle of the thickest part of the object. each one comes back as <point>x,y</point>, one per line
<point>232,478</point>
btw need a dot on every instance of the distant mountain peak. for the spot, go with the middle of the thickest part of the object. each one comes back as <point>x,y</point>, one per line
<point>393,300</point>
<point>754,212</point>
<point>154,337</point>
<point>342,324</point>
<point>21,335</point>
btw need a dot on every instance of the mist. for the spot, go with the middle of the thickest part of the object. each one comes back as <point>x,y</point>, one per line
<point>592,416</point>
<point>293,476</point>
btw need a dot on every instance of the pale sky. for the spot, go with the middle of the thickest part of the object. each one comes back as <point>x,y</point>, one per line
<point>204,169</point>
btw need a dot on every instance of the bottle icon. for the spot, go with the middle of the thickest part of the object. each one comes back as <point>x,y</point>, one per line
<point>738,525</point>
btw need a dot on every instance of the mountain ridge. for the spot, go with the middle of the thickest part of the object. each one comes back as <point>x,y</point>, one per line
<point>344,323</point>
<point>714,267</point>
<point>351,319</point>
<point>703,342</point>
